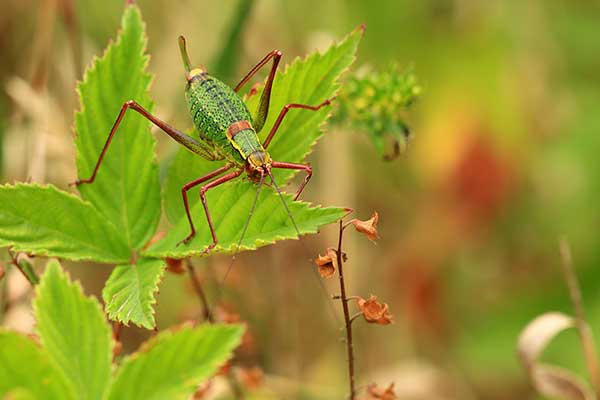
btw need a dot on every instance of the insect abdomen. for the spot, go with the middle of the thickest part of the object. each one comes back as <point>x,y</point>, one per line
<point>246,142</point>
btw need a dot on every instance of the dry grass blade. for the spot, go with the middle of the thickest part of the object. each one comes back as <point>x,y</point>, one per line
<point>549,380</point>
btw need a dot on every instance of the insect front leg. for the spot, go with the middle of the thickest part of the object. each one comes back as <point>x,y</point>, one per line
<point>200,148</point>
<point>203,190</point>
<point>190,185</point>
<point>284,112</point>
<point>303,167</point>
<point>265,98</point>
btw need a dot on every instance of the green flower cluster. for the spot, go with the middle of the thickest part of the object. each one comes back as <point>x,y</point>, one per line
<point>375,103</point>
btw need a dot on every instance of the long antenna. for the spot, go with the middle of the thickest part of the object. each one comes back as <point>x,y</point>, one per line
<point>287,209</point>
<point>239,244</point>
<point>184,54</point>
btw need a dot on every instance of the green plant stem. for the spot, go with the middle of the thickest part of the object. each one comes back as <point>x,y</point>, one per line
<point>583,329</point>
<point>25,267</point>
<point>4,302</point>
<point>347,319</point>
<point>235,386</point>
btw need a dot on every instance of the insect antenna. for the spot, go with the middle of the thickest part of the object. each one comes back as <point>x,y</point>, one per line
<point>184,54</point>
<point>239,244</point>
<point>315,274</point>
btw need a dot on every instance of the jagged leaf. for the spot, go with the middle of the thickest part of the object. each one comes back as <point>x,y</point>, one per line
<point>74,332</point>
<point>126,189</point>
<point>46,221</point>
<point>174,363</point>
<point>129,292</point>
<point>230,208</point>
<point>26,372</point>
<point>310,81</point>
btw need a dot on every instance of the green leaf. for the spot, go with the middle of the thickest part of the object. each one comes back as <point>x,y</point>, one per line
<point>74,332</point>
<point>309,81</point>
<point>126,189</point>
<point>173,364</point>
<point>43,220</point>
<point>130,290</point>
<point>26,372</point>
<point>230,206</point>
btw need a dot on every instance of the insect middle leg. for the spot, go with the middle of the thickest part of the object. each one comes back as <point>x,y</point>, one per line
<point>203,190</point>
<point>190,185</point>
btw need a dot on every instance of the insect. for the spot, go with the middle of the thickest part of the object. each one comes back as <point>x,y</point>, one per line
<point>226,129</point>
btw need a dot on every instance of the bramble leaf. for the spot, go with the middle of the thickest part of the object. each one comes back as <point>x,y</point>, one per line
<point>43,220</point>
<point>74,332</point>
<point>126,189</point>
<point>129,292</point>
<point>26,372</point>
<point>309,81</point>
<point>230,209</point>
<point>172,364</point>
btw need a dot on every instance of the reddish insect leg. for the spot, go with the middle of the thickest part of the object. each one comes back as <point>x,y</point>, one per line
<point>190,185</point>
<point>189,142</point>
<point>263,108</point>
<point>283,113</point>
<point>285,165</point>
<point>203,190</point>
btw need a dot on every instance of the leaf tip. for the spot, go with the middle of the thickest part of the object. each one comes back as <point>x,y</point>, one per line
<point>361,28</point>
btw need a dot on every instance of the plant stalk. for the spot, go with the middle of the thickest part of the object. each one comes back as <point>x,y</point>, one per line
<point>583,329</point>
<point>235,386</point>
<point>347,318</point>
<point>206,311</point>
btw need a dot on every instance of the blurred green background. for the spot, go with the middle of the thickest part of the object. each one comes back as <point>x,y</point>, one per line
<point>503,161</point>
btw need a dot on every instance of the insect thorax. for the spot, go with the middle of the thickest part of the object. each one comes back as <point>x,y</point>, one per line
<point>214,106</point>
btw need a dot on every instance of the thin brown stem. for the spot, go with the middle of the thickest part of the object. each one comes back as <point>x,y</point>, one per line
<point>206,311</point>
<point>585,334</point>
<point>234,384</point>
<point>347,319</point>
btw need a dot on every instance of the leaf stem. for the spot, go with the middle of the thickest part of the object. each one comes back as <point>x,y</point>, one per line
<point>25,267</point>
<point>585,334</point>
<point>347,319</point>
<point>235,386</point>
<point>206,311</point>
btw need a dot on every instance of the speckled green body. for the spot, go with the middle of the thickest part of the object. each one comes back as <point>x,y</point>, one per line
<point>214,107</point>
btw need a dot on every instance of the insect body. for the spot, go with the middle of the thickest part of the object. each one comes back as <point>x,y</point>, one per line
<point>227,131</point>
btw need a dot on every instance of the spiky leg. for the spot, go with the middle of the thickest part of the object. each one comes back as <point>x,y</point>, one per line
<point>303,167</point>
<point>192,144</point>
<point>190,185</point>
<point>284,112</point>
<point>203,190</point>
<point>265,98</point>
